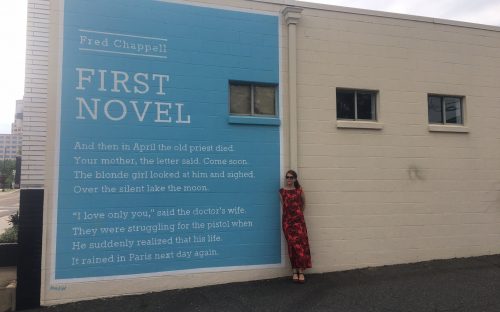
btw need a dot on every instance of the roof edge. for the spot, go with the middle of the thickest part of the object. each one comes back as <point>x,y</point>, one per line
<point>400,16</point>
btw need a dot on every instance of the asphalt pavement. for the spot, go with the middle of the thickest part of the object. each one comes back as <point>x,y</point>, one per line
<point>458,285</point>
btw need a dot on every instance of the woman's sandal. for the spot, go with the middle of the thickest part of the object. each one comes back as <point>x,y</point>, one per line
<point>302,278</point>
<point>295,277</point>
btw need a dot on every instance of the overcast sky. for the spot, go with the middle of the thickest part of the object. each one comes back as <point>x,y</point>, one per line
<point>13,31</point>
<point>474,11</point>
<point>12,46</point>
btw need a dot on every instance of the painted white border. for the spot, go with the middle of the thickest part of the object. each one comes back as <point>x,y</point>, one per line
<point>165,273</point>
<point>52,268</point>
<point>281,134</point>
<point>57,145</point>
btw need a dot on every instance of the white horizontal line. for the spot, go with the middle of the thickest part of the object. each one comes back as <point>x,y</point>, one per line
<point>124,53</point>
<point>109,33</point>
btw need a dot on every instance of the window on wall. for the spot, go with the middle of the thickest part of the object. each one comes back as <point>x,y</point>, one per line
<point>252,99</point>
<point>445,109</point>
<point>356,104</point>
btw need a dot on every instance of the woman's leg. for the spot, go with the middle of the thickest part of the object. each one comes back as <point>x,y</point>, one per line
<point>301,277</point>
<point>295,276</point>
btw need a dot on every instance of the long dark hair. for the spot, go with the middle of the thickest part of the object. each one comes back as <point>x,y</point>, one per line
<point>294,174</point>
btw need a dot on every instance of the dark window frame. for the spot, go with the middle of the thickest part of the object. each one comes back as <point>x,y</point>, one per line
<point>253,86</point>
<point>374,103</point>
<point>443,116</point>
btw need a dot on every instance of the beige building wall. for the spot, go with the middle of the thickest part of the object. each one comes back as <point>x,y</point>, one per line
<point>401,191</point>
<point>391,191</point>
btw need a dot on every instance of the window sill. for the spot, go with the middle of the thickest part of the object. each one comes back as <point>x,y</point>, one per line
<point>448,128</point>
<point>253,120</point>
<point>351,124</point>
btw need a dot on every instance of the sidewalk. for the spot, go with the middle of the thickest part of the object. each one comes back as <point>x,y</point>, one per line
<point>458,285</point>
<point>8,192</point>
<point>4,224</point>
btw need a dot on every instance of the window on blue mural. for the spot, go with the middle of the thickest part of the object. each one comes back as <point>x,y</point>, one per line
<point>445,109</point>
<point>252,99</point>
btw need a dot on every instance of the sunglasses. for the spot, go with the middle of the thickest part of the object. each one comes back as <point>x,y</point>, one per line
<point>290,177</point>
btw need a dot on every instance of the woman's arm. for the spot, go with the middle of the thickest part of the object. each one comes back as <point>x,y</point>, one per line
<point>303,197</point>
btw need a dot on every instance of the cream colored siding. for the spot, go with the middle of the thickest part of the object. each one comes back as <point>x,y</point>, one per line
<point>402,193</point>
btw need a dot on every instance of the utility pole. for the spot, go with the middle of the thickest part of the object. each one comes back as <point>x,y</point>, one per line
<point>3,177</point>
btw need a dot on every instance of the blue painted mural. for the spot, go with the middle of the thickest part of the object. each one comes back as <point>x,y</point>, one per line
<point>152,177</point>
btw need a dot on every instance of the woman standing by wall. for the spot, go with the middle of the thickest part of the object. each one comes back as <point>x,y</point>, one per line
<point>294,226</point>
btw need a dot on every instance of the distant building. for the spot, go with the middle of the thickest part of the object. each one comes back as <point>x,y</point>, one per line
<point>10,145</point>
<point>17,125</point>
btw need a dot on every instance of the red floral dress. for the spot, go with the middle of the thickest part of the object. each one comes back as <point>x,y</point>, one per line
<point>294,228</point>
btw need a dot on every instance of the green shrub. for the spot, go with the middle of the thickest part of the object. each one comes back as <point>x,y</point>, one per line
<point>9,236</point>
<point>14,219</point>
